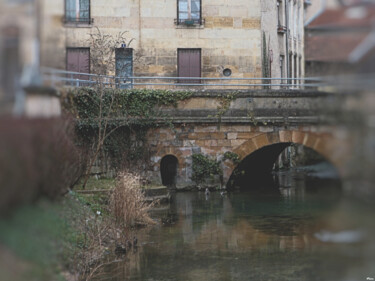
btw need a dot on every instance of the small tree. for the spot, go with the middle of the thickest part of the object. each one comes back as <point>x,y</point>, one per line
<point>102,59</point>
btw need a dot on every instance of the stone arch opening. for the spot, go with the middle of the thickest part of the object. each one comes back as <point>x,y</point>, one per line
<point>257,166</point>
<point>168,170</point>
<point>256,169</point>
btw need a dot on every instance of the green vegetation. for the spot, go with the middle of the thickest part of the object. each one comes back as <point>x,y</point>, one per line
<point>38,236</point>
<point>118,119</point>
<point>232,157</point>
<point>50,240</point>
<point>204,166</point>
<point>98,184</point>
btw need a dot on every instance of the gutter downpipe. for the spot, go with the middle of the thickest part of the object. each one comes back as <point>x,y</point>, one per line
<point>287,39</point>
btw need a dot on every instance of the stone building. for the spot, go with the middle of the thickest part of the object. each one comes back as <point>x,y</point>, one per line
<point>186,38</point>
<point>24,29</point>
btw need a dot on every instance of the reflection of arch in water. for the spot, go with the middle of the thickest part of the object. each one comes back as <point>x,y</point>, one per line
<point>275,214</point>
<point>168,170</point>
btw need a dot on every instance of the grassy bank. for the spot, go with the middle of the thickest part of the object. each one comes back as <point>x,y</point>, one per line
<point>69,239</point>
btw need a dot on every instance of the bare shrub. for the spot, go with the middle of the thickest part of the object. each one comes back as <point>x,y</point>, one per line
<point>128,203</point>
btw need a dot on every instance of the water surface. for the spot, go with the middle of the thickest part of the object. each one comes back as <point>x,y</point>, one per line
<point>303,230</point>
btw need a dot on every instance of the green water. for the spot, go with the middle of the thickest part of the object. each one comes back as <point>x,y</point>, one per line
<point>306,231</point>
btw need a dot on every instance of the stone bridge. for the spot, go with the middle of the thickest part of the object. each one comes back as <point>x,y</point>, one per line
<point>255,125</point>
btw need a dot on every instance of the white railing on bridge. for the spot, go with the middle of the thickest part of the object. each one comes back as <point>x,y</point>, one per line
<point>56,77</point>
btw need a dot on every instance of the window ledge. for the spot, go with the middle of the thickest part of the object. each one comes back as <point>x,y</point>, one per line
<point>181,26</point>
<point>189,24</point>
<point>72,23</point>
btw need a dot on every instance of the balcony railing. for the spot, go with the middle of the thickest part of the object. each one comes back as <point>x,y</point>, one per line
<point>55,77</point>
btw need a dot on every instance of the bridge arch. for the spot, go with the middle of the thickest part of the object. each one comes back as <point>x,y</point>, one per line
<point>269,146</point>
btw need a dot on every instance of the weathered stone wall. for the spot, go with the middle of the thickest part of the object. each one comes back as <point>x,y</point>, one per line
<point>185,140</point>
<point>251,120</point>
<point>229,38</point>
<point>53,34</point>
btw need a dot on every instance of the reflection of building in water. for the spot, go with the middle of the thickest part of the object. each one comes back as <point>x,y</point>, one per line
<point>210,232</point>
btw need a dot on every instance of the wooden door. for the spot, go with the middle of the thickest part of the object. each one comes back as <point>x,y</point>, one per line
<point>78,60</point>
<point>189,64</point>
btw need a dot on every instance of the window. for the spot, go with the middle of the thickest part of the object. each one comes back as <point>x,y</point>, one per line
<point>189,64</point>
<point>78,60</point>
<point>189,12</point>
<point>77,11</point>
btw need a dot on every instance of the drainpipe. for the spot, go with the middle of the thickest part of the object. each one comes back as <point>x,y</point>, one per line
<point>140,24</point>
<point>287,39</point>
<point>323,4</point>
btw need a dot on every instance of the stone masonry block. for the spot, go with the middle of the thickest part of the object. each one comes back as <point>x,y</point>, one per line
<point>265,129</point>
<point>209,143</point>
<point>310,140</point>
<point>246,135</point>
<point>217,136</point>
<point>285,136</point>
<point>261,141</point>
<point>223,22</point>
<point>298,137</point>
<point>199,136</point>
<point>236,143</point>
<point>203,129</point>
<point>232,136</point>
<point>273,137</point>
<point>223,142</point>
<point>251,23</point>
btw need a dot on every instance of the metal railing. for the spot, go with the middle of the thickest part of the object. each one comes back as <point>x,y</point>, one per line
<point>57,77</point>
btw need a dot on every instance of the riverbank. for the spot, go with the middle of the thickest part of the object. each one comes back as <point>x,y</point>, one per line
<point>68,239</point>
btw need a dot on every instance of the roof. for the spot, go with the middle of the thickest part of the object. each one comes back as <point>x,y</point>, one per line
<point>332,47</point>
<point>338,34</point>
<point>350,17</point>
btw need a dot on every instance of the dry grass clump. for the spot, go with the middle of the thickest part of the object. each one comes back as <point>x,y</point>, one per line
<point>128,203</point>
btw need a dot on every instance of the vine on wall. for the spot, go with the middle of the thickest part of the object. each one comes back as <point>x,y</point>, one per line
<point>205,167</point>
<point>129,115</point>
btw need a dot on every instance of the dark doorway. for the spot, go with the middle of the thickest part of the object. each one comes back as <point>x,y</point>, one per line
<point>168,170</point>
